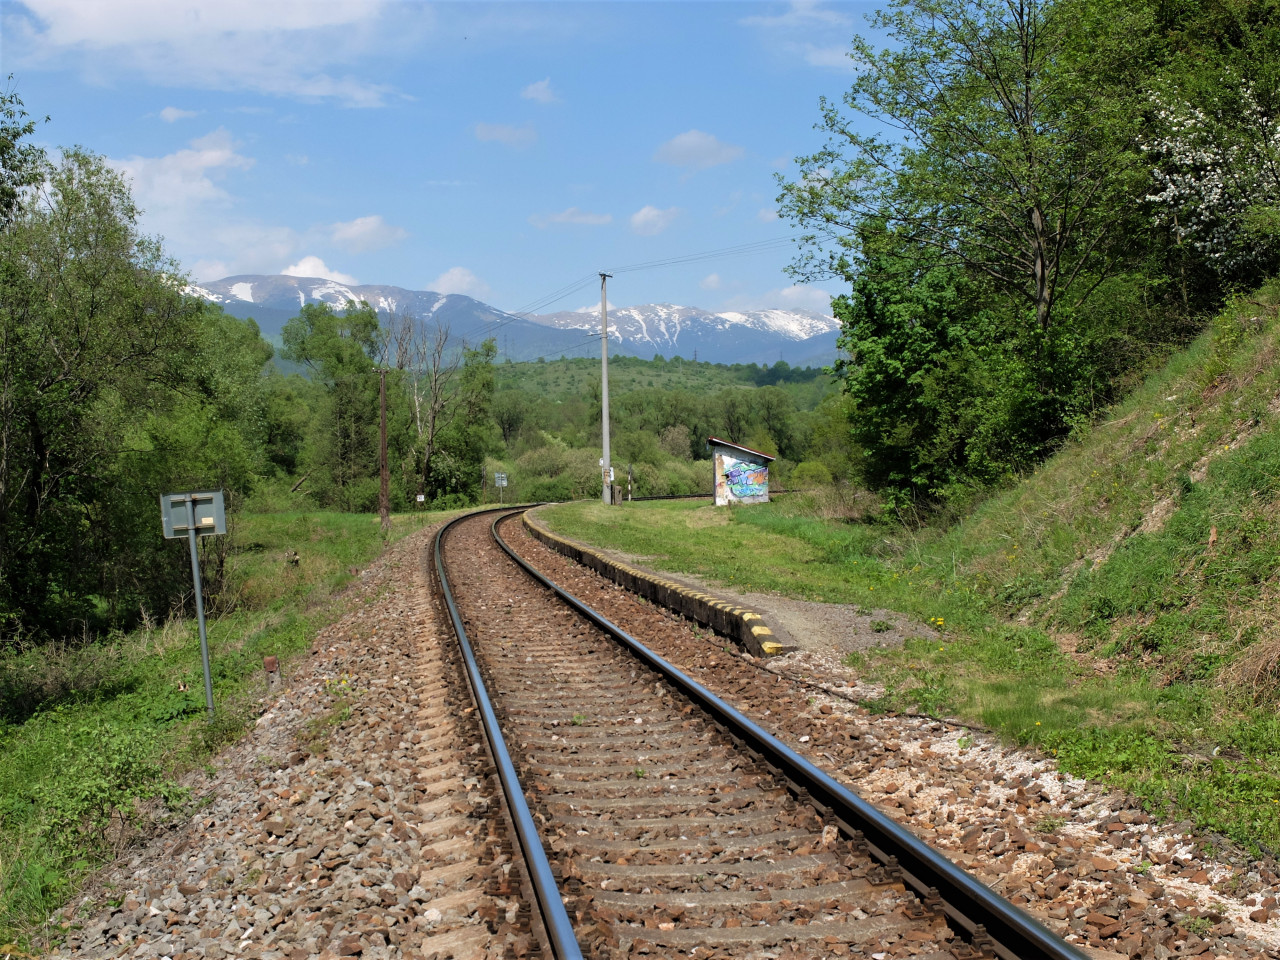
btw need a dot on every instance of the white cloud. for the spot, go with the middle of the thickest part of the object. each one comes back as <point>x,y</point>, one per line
<point>572,216</point>
<point>697,150</point>
<point>506,134</point>
<point>767,214</point>
<point>800,14</point>
<point>806,297</point>
<point>185,199</point>
<point>283,48</point>
<point>804,32</point>
<point>649,221</point>
<point>366,233</point>
<point>311,266</point>
<point>460,280</point>
<point>795,297</point>
<point>734,199</point>
<point>202,271</point>
<point>540,92</point>
<point>710,282</point>
<point>836,57</point>
<point>170,114</point>
<point>170,187</point>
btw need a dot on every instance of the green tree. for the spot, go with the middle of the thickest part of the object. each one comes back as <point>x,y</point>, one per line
<point>21,164</point>
<point>1214,134</point>
<point>989,151</point>
<point>471,433</point>
<point>509,410</point>
<point>737,416</point>
<point>340,349</point>
<point>114,387</point>
<point>776,411</point>
<point>288,404</point>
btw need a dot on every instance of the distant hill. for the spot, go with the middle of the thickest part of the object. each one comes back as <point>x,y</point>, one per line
<point>758,336</point>
<point>801,338</point>
<point>273,300</point>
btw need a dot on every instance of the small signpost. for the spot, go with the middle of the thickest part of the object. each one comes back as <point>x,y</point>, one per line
<point>190,515</point>
<point>499,481</point>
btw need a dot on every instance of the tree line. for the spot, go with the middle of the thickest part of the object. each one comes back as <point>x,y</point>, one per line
<point>1033,202</point>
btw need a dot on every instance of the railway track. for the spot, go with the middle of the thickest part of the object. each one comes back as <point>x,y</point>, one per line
<point>655,820</point>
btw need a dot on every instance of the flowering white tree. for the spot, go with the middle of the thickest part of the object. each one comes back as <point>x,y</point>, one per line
<point>1217,179</point>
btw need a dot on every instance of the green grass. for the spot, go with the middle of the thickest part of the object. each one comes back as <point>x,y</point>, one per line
<point>97,760</point>
<point>775,548</point>
<point>1116,608</point>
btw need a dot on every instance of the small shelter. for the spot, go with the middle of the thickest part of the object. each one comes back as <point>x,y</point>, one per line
<point>742,474</point>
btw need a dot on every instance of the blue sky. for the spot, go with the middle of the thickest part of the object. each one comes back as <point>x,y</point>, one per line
<point>499,150</point>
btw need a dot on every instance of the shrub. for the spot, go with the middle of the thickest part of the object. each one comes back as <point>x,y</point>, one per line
<point>810,474</point>
<point>33,679</point>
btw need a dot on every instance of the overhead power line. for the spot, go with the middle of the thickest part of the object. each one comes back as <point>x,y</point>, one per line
<point>723,253</point>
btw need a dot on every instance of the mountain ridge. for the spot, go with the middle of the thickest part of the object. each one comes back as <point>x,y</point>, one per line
<point>800,337</point>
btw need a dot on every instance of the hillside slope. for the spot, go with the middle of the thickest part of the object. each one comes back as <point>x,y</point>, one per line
<point>1152,538</point>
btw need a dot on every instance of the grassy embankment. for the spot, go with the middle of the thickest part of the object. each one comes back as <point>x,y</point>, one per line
<point>92,738</point>
<point>1116,609</point>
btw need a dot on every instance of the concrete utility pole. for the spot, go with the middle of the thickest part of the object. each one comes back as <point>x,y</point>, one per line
<point>607,491</point>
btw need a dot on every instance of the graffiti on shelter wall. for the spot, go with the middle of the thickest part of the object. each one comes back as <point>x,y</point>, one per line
<point>740,480</point>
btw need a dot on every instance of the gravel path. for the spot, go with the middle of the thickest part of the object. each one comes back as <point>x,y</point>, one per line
<point>353,820</point>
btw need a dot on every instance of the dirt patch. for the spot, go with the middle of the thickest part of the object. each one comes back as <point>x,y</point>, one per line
<point>1071,643</point>
<point>707,517</point>
<point>806,624</point>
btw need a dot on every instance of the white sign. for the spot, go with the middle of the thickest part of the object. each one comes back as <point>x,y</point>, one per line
<point>499,479</point>
<point>422,498</point>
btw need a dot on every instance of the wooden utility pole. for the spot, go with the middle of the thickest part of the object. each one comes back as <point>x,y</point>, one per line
<point>384,473</point>
<point>607,492</point>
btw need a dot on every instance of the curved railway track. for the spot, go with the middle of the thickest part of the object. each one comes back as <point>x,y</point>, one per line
<point>655,820</point>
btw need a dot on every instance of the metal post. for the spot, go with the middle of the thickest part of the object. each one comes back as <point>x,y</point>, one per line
<point>195,575</point>
<point>606,492</point>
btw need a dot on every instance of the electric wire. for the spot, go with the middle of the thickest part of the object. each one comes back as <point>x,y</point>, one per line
<point>528,310</point>
<point>752,248</point>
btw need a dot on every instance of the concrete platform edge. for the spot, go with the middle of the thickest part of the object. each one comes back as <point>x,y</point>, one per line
<point>741,624</point>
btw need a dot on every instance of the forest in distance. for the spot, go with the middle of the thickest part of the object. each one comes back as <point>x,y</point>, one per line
<point>1081,186</point>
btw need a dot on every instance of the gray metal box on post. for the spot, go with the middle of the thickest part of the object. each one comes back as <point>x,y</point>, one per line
<point>190,515</point>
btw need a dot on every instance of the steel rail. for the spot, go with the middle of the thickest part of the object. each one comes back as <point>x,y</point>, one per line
<point>555,919</point>
<point>970,903</point>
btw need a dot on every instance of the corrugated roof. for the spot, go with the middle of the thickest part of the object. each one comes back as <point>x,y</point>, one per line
<point>738,446</point>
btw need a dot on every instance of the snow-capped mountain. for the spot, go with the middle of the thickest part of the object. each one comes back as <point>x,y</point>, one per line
<point>272,300</point>
<point>671,329</point>
<point>760,336</point>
